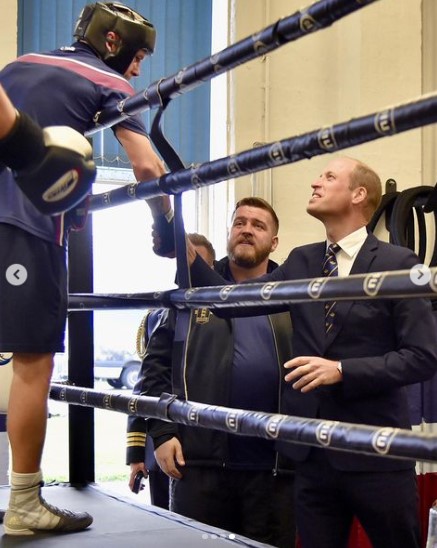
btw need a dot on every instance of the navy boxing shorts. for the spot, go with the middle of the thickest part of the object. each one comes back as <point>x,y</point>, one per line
<point>33,293</point>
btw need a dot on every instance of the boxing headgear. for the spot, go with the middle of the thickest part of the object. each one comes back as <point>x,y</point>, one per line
<point>134,31</point>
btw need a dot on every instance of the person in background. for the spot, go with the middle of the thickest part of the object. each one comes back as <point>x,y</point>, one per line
<point>237,483</point>
<point>63,87</point>
<point>139,452</point>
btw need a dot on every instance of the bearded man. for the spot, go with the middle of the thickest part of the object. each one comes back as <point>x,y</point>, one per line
<point>236,483</point>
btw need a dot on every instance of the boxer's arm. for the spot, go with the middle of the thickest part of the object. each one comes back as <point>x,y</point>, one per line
<point>52,166</point>
<point>147,166</point>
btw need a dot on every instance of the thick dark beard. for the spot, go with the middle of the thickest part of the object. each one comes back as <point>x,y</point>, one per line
<point>248,261</point>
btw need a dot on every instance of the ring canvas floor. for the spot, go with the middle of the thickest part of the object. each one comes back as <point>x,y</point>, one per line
<point>120,522</point>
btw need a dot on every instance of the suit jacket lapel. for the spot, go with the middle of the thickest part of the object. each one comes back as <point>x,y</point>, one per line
<point>365,256</point>
<point>362,264</point>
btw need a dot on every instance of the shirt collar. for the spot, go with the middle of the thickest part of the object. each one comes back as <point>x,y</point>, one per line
<point>352,243</point>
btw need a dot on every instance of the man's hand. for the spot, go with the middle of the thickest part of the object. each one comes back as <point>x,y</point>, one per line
<point>169,456</point>
<point>52,166</point>
<point>136,467</point>
<point>310,372</point>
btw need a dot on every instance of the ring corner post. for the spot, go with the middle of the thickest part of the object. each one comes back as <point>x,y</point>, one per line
<point>81,358</point>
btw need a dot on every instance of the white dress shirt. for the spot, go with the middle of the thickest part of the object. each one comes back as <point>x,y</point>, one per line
<point>350,245</point>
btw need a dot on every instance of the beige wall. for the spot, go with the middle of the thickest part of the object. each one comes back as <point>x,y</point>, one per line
<point>369,60</point>
<point>8,34</point>
<point>429,79</point>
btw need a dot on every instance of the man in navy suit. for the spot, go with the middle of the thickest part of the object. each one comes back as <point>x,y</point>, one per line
<point>351,366</point>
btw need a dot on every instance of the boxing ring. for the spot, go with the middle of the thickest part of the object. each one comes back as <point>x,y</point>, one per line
<point>139,523</point>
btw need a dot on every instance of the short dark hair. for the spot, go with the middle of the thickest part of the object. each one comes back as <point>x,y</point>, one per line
<point>254,201</point>
<point>201,240</point>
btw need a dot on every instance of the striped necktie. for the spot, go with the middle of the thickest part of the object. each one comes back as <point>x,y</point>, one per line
<point>330,268</point>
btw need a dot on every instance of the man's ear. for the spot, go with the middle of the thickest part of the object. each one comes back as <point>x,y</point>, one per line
<point>112,41</point>
<point>359,195</point>
<point>275,242</point>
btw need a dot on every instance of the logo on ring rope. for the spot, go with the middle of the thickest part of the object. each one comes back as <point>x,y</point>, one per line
<point>231,420</point>
<point>190,292</point>
<point>267,290</point>
<point>120,107</point>
<point>196,181</point>
<point>215,62</point>
<point>226,291</point>
<point>107,401</point>
<point>273,424</point>
<point>382,439</point>
<point>276,153</point>
<point>233,168</point>
<point>384,122</point>
<point>259,46</point>
<point>179,80</point>
<point>326,139</point>
<point>132,404</point>
<point>324,432</point>
<point>372,283</point>
<point>315,287</point>
<point>193,414</point>
<point>132,190</point>
<point>307,23</point>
